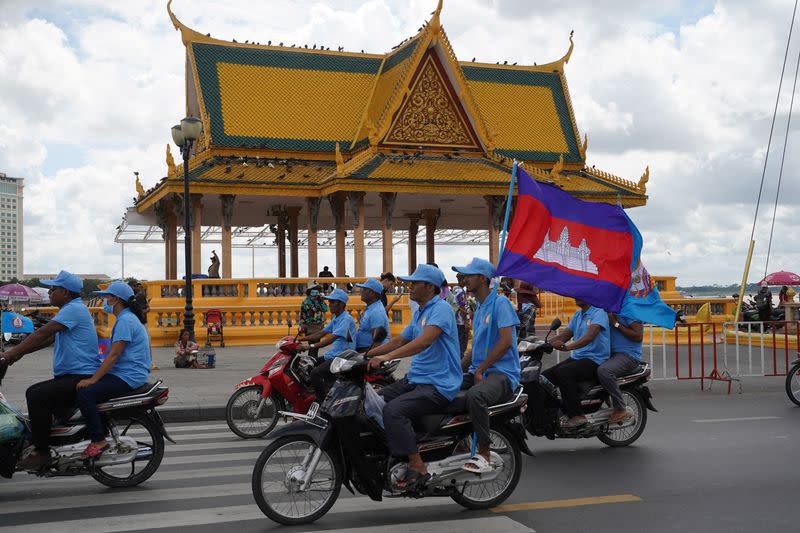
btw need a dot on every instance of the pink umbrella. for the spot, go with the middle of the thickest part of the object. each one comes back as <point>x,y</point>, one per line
<point>776,278</point>
<point>17,292</point>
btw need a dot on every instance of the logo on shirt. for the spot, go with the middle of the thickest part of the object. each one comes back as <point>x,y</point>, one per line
<point>487,320</point>
<point>423,322</point>
<point>588,321</point>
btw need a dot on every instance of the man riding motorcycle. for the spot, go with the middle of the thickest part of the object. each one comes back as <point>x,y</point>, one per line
<point>374,316</point>
<point>494,362</point>
<point>435,374</point>
<point>339,334</point>
<point>590,348</point>
<point>74,359</point>
<point>626,354</point>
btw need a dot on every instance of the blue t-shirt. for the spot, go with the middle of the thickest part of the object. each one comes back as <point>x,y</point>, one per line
<point>75,350</point>
<point>504,317</point>
<point>374,316</point>
<point>599,350</point>
<point>622,344</point>
<point>344,327</point>
<point>440,363</point>
<point>133,365</point>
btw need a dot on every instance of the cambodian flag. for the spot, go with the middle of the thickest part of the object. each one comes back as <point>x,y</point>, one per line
<point>570,247</point>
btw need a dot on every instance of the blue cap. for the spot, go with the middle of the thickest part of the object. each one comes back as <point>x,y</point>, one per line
<point>426,273</point>
<point>120,289</point>
<point>478,266</point>
<point>338,294</point>
<point>372,284</point>
<point>65,279</point>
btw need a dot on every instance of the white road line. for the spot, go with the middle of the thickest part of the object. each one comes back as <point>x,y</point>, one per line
<point>197,517</point>
<point>178,428</point>
<point>221,446</point>
<point>497,524</point>
<point>203,459</point>
<point>742,419</point>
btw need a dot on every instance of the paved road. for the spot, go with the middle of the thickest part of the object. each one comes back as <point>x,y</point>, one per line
<point>707,462</point>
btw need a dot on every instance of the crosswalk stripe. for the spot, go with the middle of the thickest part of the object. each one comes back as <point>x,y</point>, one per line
<point>221,446</point>
<point>197,517</point>
<point>201,459</point>
<point>495,524</point>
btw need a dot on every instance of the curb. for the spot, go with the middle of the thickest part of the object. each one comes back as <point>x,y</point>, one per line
<point>192,414</point>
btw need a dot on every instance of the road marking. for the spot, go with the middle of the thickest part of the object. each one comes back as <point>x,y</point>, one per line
<point>558,504</point>
<point>742,419</point>
<point>495,524</point>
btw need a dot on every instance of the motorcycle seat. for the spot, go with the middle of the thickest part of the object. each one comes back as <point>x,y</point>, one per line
<point>593,385</point>
<point>144,389</point>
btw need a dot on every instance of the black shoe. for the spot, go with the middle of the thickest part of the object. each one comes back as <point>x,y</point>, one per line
<point>34,461</point>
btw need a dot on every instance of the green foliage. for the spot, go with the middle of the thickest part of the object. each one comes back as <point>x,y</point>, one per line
<point>718,290</point>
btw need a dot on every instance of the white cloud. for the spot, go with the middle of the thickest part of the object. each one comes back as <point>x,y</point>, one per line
<point>685,87</point>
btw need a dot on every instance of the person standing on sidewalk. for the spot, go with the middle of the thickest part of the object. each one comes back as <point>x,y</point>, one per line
<point>626,354</point>
<point>312,312</point>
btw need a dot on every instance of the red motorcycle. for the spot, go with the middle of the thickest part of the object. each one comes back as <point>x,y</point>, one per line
<point>283,384</point>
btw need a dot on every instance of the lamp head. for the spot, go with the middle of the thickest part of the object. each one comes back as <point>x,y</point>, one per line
<point>191,128</point>
<point>177,135</point>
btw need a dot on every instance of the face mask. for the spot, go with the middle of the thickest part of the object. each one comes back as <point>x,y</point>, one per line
<point>314,293</point>
<point>107,307</point>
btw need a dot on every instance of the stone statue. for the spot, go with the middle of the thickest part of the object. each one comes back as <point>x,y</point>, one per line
<point>213,270</point>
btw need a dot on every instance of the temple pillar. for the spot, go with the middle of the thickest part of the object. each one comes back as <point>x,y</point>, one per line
<point>336,201</point>
<point>280,239</point>
<point>196,223</point>
<point>162,209</point>
<point>496,205</point>
<point>227,201</point>
<point>356,200</point>
<point>413,229</point>
<point>293,213</point>
<point>175,219</point>
<point>313,205</point>
<point>431,216</point>
<point>387,208</point>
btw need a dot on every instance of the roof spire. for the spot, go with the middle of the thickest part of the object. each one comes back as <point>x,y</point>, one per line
<point>435,24</point>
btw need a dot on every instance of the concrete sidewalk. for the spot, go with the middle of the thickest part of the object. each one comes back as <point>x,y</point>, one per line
<point>202,394</point>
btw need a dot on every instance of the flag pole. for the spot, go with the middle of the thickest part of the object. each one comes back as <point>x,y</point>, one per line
<point>495,282</point>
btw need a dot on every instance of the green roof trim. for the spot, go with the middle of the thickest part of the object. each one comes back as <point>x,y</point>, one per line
<point>400,55</point>
<point>550,80</point>
<point>208,56</point>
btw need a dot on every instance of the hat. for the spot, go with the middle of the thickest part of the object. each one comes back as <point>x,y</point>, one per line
<point>312,285</point>
<point>120,289</point>
<point>426,273</point>
<point>339,295</point>
<point>66,280</point>
<point>478,266</point>
<point>372,284</point>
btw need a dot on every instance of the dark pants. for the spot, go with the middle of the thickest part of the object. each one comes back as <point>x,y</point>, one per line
<point>566,375</point>
<point>404,403</point>
<point>463,338</point>
<point>108,387</point>
<point>764,314</point>
<point>617,365</point>
<point>493,389</point>
<point>322,380</point>
<point>46,398</point>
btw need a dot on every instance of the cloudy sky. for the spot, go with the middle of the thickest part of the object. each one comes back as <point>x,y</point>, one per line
<point>90,88</point>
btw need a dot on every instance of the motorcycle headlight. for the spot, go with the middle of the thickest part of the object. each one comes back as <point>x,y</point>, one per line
<point>341,365</point>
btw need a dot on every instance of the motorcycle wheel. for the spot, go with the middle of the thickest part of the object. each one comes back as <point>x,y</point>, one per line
<point>486,495</point>
<point>793,383</point>
<point>275,490</point>
<point>240,413</point>
<point>628,435</point>
<point>151,446</point>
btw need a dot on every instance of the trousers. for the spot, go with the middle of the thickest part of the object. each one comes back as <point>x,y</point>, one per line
<point>617,365</point>
<point>108,387</point>
<point>44,400</point>
<point>404,402</point>
<point>493,389</point>
<point>566,375</point>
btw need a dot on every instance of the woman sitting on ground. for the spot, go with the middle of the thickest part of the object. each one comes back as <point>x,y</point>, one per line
<point>125,367</point>
<point>184,358</point>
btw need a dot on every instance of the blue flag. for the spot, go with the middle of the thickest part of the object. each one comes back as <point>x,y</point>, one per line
<point>15,323</point>
<point>643,302</point>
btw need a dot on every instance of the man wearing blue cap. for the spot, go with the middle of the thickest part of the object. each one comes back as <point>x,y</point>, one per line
<point>435,374</point>
<point>494,362</point>
<point>74,359</point>
<point>374,316</point>
<point>339,334</point>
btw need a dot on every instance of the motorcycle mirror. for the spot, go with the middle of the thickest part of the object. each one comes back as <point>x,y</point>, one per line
<point>555,324</point>
<point>378,335</point>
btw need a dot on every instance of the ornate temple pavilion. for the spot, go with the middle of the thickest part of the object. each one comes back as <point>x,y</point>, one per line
<point>365,148</point>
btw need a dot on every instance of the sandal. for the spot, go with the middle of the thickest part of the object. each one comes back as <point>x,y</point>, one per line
<point>93,451</point>
<point>413,480</point>
<point>478,465</point>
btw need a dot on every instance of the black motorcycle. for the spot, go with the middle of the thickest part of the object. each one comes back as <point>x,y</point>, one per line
<point>136,436</point>
<point>298,476</point>
<point>544,413</point>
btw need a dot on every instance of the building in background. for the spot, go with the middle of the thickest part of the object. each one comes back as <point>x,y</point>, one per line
<point>11,259</point>
<point>40,277</point>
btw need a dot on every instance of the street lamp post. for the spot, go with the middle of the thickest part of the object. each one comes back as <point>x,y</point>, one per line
<point>184,135</point>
